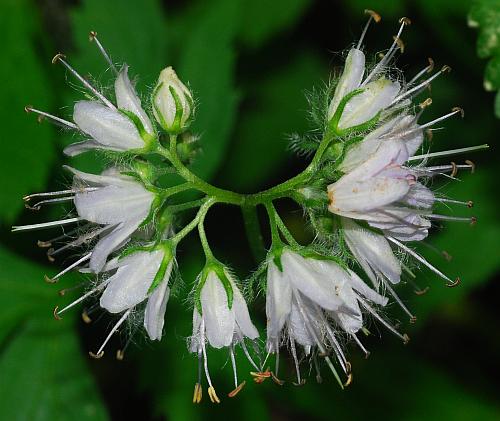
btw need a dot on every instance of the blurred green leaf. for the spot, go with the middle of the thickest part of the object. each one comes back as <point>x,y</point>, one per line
<point>263,19</point>
<point>134,33</point>
<point>208,64</point>
<point>485,15</point>
<point>26,145</point>
<point>41,361</point>
<point>276,107</point>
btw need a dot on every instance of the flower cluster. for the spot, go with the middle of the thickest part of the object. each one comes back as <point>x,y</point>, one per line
<point>365,193</point>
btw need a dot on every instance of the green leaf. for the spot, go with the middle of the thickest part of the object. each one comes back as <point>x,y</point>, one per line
<point>41,360</point>
<point>262,19</point>
<point>277,107</point>
<point>485,15</point>
<point>208,64</point>
<point>27,144</point>
<point>134,34</point>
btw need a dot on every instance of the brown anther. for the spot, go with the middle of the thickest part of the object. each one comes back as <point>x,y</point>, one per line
<point>458,110</point>
<point>92,35</point>
<point>213,396</point>
<point>399,43</point>
<point>96,356</point>
<point>413,320</point>
<point>473,166</point>
<point>276,380</point>
<point>34,208</point>
<point>86,318</point>
<point>198,393</point>
<point>57,57</point>
<point>28,108</point>
<point>43,244</point>
<point>470,204</point>
<point>445,69</point>
<point>425,103</point>
<point>447,255</point>
<point>349,380</point>
<point>406,338</point>
<point>404,20</point>
<point>454,169</point>
<point>260,376</point>
<point>454,284</point>
<point>49,280</point>
<point>55,313</point>
<point>422,291</point>
<point>431,65</point>
<point>429,134</point>
<point>348,366</point>
<point>375,16</point>
<point>302,383</point>
<point>49,255</point>
<point>234,392</point>
<point>120,355</point>
<point>473,220</point>
<point>62,292</point>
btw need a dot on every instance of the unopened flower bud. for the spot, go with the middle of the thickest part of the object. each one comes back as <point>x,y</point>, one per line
<point>172,102</point>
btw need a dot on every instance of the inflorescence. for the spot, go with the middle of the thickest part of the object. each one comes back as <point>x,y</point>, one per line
<point>365,194</point>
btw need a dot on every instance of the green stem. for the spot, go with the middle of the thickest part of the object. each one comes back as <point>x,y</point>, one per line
<point>200,216</point>
<point>254,234</point>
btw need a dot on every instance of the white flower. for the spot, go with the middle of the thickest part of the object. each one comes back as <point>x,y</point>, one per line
<point>302,298</point>
<point>362,107</point>
<point>222,324</point>
<point>172,102</point>
<point>118,202</point>
<point>108,127</point>
<point>130,285</point>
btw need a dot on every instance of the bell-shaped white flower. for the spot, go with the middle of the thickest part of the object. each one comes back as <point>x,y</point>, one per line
<point>118,202</point>
<point>108,127</point>
<point>364,105</point>
<point>172,102</point>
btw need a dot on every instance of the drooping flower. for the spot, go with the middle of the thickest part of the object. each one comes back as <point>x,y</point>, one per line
<point>220,319</point>
<point>308,300</point>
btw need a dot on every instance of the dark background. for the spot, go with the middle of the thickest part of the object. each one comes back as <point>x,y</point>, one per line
<point>249,63</point>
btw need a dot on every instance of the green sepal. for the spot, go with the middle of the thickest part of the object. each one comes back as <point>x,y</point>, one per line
<point>274,255</point>
<point>149,139</point>
<point>334,121</point>
<point>364,127</point>
<point>217,267</point>
<point>168,255</point>
<point>155,204</point>
<point>135,249</point>
<point>308,253</point>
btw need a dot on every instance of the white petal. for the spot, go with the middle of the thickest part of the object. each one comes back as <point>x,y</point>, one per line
<point>363,107</point>
<point>419,196</point>
<point>130,284</point>
<point>278,301</point>
<point>309,277</point>
<point>403,224</point>
<point>80,147</point>
<point>111,242</point>
<point>350,80</point>
<point>127,99</point>
<point>113,204</point>
<point>372,248</point>
<point>107,126</point>
<point>154,315</point>
<point>219,319</point>
<point>241,314</point>
<point>195,340</point>
<point>357,284</point>
<point>298,327</point>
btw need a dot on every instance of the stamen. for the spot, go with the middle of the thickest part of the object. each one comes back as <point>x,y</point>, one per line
<point>85,317</point>
<point>93,37</point>
<point>422,84</point>
<point>64,291</point>
<point>404,337</point>
<point>100,352</point>
<point>276,380</point>
<point>53,118</point>
<point>66,270</point>
<point>46,224</point>
<point>295,360</point>
<point>373,16</point>
<point>472,220</point>
<point>60,57</point>
<point>425,70</point>
<point>212,395</point>
<point>420,259</point>
<point>59,193</point>
<point>234,392</point>
<point>472,165</point>
<point>413,319</point>
<point>247,354</point>
<point>358,342</point>
<point>454,111</point>
<point>84,296</point>
<point>79,241</point>
<point>198,393</point>
<point>387,57</point>
<point>37,206</point>
<point>449,152</point>
<point>233,363</point>
<point>211,391</point>
<point>468,203</point>
<point>422,291</point>
<point>440,169</point>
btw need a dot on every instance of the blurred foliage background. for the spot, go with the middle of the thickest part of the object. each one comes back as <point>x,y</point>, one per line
<point>249,63</point>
